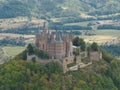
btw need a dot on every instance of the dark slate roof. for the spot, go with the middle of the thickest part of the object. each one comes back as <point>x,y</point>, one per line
<point>58,37</point>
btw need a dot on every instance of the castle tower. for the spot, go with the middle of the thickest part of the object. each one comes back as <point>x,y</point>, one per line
<point>42,37</point>
<point>37,36</point>
<point>45,28</point>
<point>57,44</point>
<point>70,43</point>
<point>71,35</point>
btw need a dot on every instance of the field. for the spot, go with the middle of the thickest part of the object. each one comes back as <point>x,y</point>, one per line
<point>99,39</point>
<point>3,35</point>
<point>11,51</point>
<point>108,32</point>
<point>18,22</point>
<point>78,24</point>
<point>32,41</point>
<point>104,37</point>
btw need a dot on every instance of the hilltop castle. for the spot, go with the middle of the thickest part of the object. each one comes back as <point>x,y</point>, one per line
<point>57,44</point>
<point>60,48</point>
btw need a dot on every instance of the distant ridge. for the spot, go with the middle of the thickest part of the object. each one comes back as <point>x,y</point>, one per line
<point>57,8</point>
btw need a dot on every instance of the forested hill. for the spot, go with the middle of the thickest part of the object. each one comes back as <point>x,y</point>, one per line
<point>56,8</point>
<point>29,75</point>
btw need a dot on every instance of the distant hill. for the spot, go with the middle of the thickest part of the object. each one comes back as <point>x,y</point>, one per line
<point>57,8</point>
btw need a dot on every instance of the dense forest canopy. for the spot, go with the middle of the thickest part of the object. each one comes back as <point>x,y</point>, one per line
<point>57,8</point>
<point>113,49</point>
<point>28,75</point>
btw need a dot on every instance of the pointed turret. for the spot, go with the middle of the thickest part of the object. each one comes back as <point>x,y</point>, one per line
<point>45,28</point>
<point>58,37</point>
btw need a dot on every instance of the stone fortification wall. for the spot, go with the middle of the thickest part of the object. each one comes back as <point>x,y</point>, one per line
<point>42,61</point>
<point>95,55</point>
<point>66,61</point>
<point>85,53</point>
<point>63,62</point>
<point>78,59</point>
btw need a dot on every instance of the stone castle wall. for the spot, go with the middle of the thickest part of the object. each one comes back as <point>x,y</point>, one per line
<point>66,61</point>
<point>95,55</point>
<point>63,62</point>
<point>57,45</point>
<point>78,59</point>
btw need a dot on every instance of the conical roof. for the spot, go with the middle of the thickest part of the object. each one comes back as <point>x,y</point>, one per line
<point>58,37</point>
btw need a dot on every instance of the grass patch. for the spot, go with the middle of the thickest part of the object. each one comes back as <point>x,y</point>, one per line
<point>108,32</point>
<point>32,41</point>
<point>12,51</point>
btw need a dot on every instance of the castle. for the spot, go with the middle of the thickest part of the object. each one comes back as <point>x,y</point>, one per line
<point>60,48</point>
<point>57,44</point>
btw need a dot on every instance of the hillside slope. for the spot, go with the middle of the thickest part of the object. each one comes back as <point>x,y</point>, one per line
<point>25,75</point>
<point>56,8</point>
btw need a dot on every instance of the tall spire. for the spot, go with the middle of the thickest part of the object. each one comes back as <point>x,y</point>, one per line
<point>45,27</point>
<point>58,36</point>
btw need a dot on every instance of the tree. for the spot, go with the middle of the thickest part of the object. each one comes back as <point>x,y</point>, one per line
<point>83,46</point>
<point>76,41</point>
<point>94,46</point>
<point>79,42</point>
<point>88,50</point>
<point>30,49</point>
